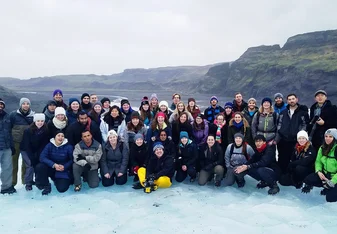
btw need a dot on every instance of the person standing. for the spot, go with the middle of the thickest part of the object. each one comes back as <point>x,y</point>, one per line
<point>105,104</point>
<point>176,98</point>
<point>126,109</point>
<point>85,102</point>
<point>213,110</point>
<point>58,98</point>
<point>279,105</point>
<point>249,112</point>
<point>50,111</point>
<point>239,104</point>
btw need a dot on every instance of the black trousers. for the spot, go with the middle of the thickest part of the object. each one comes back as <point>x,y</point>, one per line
<point>296,175</point>
<point>285,150</point>
<point>314,180</point>
<point>111,181</point>
<point>181,175</point>
<point>265,174</point>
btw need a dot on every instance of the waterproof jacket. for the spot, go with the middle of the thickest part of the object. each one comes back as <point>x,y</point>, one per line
<point>71,116</point>
<point>104,127</point>
<point>6,140</point>
<point>209,158</point>
<point>114,160</point>
<point>279,109</point>
<point>265,124</point>
<point>92,154</point>
<point>248,116</point>
<point>178,127</point>
<point>127,116</point>
<point>305,158</point>
<point>210,113</point>
<point>74,132</point>
<point>19,123</point>
<point>237,157</point>
<point>266,158</point>
<point>187,154</point>
<point>163,166</point>
<point>200,135</point>
<point>238,108</point>
<point>129,135</point>
<point>327,163</point>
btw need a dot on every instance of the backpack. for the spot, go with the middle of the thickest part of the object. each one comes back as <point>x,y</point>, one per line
<point>274,118</point>
<point>244,152</point>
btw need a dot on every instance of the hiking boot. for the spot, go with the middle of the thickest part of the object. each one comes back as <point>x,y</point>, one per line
<point>9,190</point>
<point>217,183</point>
<point>46,190</point>
<point>241,183</point>
<point>273,189</point>
<point>137,185</point>
<point>261,185</point>
<point>29,187</point>
<point>324,191</point>
<point>78,188</point>
<point>306,189</point>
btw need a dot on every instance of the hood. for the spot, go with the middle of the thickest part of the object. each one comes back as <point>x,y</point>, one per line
<point>30,114</point>
<point>188,143</point>
<point>65,141</point>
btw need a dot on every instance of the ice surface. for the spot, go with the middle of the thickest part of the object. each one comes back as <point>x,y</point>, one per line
<point>183,208</point>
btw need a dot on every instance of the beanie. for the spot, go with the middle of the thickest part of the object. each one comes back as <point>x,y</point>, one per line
<point>239,135</point>
<point>85,95</point>
<point>190,100</point>
<point>278,95</point>
<point>135,114</point>
<point>124,101</point>
<point>57,132</point>
<point>71,100</point>
<point>267,99</point>
<point>60,111</point>
<point>112,133</point>
<point>97,104</point>
<point>157,145</point>
<point>22,100</point>
<point>57,91</point>
<point>163,103</point>
<point>183,134</point>
<point>303,133</point>
<point>3,103</point>
<point>228,105</point>
<point>154,96</point>
<point>251,100</point>
<point>200,115</point>
<point>260,137</point>
<point>39,116</point>
<point>213,98</point>
<point>139,136</point>
<point>332,132</point>
<point>160,114</point>
<point>51,103</point>
<point>105,99</point>
<point>320,92</point>
<point>145,101</point>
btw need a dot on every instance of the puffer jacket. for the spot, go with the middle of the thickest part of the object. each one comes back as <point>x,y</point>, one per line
<point>19,123</point>
<point>114,160</point>
<point>264,124</point>
<point>6,140</point>
<point>92,154</point>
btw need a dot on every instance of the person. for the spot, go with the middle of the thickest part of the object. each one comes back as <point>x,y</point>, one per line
<point>138,155</point>
<point>249,112</point>
<point>114,161</point>
<point>126,109</point>
<point>178,111</point>
<point>211,161</point>
<point>163,107</point>
<point>93,98</point>
<point>265,121</point>
<point>239,124</point>
<point>279,105</point>
<point>238,103</point>
<point>169,147</point>
<point>186,158</point>
<point>50,110</point>
<point>193,108</point>
<point>302,162</point>
<point>56,161</point>
<point>73,109</point>
<point>262,166</point>
<point>160,122</point>
<point>87,154</point>
<point>113,120</point>
<point>154,107</point>
<point>213,110</point>
<point>228,113</point>
<point>219,129</point>
<point>35,138</point>
<point>176,98</point>
<point>105,104</point>
<point>133,127</point>
<point>237,154</point>
<point>323,116</point>
<point>85,102</point>
<point>158,172</point>
<point>20,120</point>
<point>325,174</point>
<point>96,113</point>
<point>58,123</point>
<point>292,120</point>
<point>74,131</point>
<point>200,130</point>
<point>58,98</point>
<point>144,111</point>
<point>182,124</point>
<point>6,151</point>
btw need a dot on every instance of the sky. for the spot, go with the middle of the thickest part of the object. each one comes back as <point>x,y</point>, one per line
<point>60,37</point>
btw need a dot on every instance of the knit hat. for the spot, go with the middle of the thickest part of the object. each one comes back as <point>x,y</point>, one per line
<point>39,116</point>
<point>213,98</point>
<point>160,114</point>
<point>303,133</point>
<point>278,95</point>
<point>60,111</point>
<point>320,92</point>
<point>260,137</point>
<point>157,145</point>
<point>228,105</point>
<point>85,95</point>
<point>200,115</point>
<point>22,100</point>
<point>183,134</point>
<point>139,136</point>
<point>154,96</point>
<point>57,132</point>
<point>112,133</point>
<point>145,101</point>
<point>57,91</point>
<point>71,100</point>
<point>3,103</point>
<point>251,100</point>
<point>135,114</point>
<point>97,104</point>
<point>190,100</point>
<point>124,101</point>
<point>105,99</point>
<point>332,132</point>
<point>267,99</point>
<point>163,103</point>
<point>51,103</point>
<point>239,135</point>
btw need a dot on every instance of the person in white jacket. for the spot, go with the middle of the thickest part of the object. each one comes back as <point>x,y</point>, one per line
<point>113,120</point>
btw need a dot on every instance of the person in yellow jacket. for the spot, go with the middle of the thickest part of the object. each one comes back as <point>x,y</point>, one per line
<point>325,168</point>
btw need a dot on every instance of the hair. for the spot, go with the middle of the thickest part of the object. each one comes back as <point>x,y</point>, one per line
<point>81,113</point>
<point>33,127</point>
<point>292,94</point>
<point>327,148</point>
<point>120,116</point>
<point>93,94</point>
<point>134,128</point>
<point>86,130</point>
<point>200,126</point>
<point>176,94</point>
<point>79,109</point>
<point>154,123</point>
<point>192,110</point>
<point>93,114</point>
<point>145,114</point>
<point>220,114</point>
<point>176,112</point>
<point>237,94</point>
<point>271,109</point>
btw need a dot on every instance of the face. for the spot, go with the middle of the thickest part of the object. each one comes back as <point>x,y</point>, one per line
<point>184,140</point>
<point>139,141</point>
<point>220,119</point>
<point>75,106</point>
<point>93,99</point>
<point>163,136</point>
<point>51,108</point>
<point>86,100</point>
<point>58,97</point>
<point>183,118</point>
<point>251,105</point>
<point>163,108</point>
<point>176,99</point>
<point>237,118</point>
<point>39,123</point>
<point>87,137</point>
<point>106,104</point>
<point>228,111</point>
<point>238,141</point>
<point>292,101</point>
<point>60,117</point>
<point>278,100</point>
<point>126,107</point>
<point>159,152</point>
<point>320,98</point>
<point>135,121</point>
<point>114,113</point>
<point>210,141</point>
<point>146,107</point>
<point>259,143</point>
<point>25,106</point>
<point>180,107</point>
<point>266,105</point>
<point>154,102</point>
<point>160,119</point>
<point>113,139</point>
<point>328,139</point>
<point>238,98</point>
<point>302,140</point>
<point>83,119</point>
<point>59,138</point>
<point>198,120</point>
<point>98,109</point>
<point>2,106</point>
<point>191,103</point>
<point>214,102</point>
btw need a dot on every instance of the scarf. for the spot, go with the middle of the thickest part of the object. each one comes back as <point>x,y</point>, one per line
<point>300,148</point>
<point>238,125</point>
<point>218,133</point>
<point>86,106</point>
<point>59,124</point>
<point>262,148</point>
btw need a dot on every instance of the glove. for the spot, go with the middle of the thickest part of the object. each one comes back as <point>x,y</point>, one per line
<point>135,170</point>
<point>13,150</point>
<point>86,167</point>
<point>328,184</point>
<point>151,177</point>
<point>80,157</point>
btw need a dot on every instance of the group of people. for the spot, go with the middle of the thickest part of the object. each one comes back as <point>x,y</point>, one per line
<point>94,141</point>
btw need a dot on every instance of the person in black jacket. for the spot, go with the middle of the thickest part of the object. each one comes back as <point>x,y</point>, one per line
<point>262,166</point>
<point>35,138</point>
<point>238,103</point>
<point>323,116</point>
<point>219,129</point>
<point>302,162</point>
<point>211,161</point>
<point>169,146</point>
<point>291,120</point>
<point>182,124</point>
<point>138,154</point>
<point>186,158</point>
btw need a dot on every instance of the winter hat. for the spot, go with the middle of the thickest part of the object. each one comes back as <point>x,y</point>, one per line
<point>71,100</point>
<point>57,91</point>
<point>60,111</point>
<point>251,100</point>
<point>135,114</point>
<point>105,99</point>
<point>51,103</point>
<point>154,96</point>
<point>303,133</point>
<point>332,132</point>
<point>39,116</point>
<point>97,104</point>
<point>239,135</point>
<point>124,101</point>
<point>190,100</point>
<point>260,137</point>
<point>320,92</point>
<point>22,100</point>
<point>3,103</point>
<point>228,105</point>
<point>157,145</point>
<point>139,136</point>
<point>112,133</point>
<point>160,114</point>
<point>200,115</point>
<point>57,132</point>
<point>145,101</point>
<point>85,95</point>
<point>278,95</point>
<point>163,103</point>
<point>267,99</point>
<point>183,134</point>
<point>213,98</point>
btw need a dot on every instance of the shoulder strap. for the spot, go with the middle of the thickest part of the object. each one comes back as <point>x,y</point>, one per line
<point>231,150</point>
<point>244,152</point>
<point>275,118</point>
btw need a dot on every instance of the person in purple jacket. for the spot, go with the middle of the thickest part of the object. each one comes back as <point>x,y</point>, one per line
<point>200,130</point>
<point>56,161</point>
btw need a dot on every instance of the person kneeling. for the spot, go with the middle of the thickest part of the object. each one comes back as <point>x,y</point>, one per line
<point>158,172</point>
<point>87,154</point>
<point>325,167</point>
<point>55,162</point>
<point>262,166</point>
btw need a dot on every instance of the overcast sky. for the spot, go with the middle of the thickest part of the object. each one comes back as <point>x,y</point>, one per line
<point>59,37</point>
